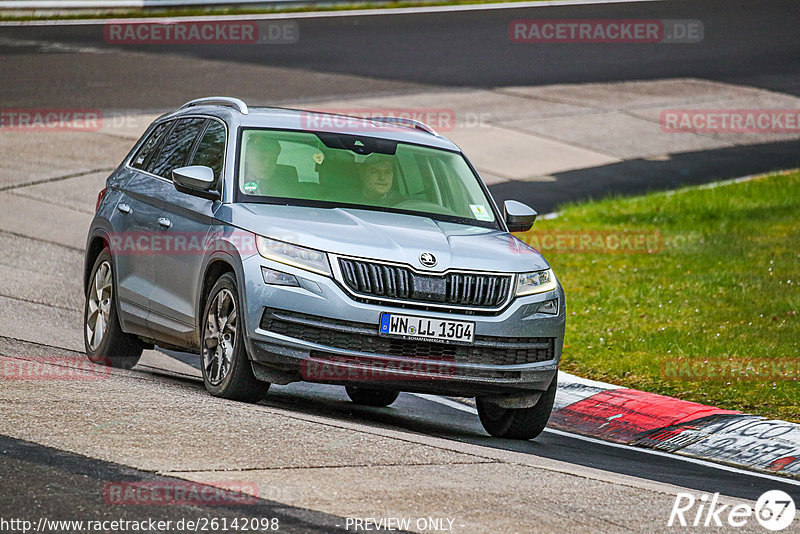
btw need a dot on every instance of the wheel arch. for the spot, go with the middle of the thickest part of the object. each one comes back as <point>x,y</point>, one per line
<point>215,269</point>
<point>97,243</point>
<point>216,265</point>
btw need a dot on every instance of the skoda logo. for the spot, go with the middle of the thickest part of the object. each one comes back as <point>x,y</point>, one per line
<point>427,259</point>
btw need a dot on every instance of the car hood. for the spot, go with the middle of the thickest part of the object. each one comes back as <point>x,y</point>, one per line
<point>387,236</point>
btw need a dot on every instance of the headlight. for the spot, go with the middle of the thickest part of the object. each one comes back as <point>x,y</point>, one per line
<point>304,258</point>
<point>536,282</point>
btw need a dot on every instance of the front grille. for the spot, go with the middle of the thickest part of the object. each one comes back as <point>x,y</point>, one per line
<point>401,283</point>
<point>363,338</point>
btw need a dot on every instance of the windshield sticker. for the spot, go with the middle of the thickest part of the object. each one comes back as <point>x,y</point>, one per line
<point>480,212</point>
<point>250,187</point>
<point>319,157</point>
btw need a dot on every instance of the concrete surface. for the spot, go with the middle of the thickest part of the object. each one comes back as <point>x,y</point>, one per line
<point>533,133</point>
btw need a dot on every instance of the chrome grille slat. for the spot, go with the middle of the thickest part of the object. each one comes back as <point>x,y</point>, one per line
<point>398,282</point>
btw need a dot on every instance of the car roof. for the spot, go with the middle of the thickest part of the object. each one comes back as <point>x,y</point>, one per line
<point>314,121</point>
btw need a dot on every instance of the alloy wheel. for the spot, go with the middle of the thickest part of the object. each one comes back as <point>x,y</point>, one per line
<point>100,294</point>
<point>219,340</point>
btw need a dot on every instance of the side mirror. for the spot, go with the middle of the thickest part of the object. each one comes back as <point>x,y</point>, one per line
<point>195,180</point>
<point>519,217</point>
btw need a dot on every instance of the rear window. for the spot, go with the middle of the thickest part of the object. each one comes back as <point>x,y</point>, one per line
<point>211,149</point>
<point>176,147</point>
<point>140,159</point>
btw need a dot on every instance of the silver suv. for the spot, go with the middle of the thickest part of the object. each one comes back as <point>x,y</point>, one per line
<point>285,245</point>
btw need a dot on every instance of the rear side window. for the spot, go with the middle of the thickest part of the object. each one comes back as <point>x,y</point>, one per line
<point>140,159</point>
<point>176,147</point>
<point>211,149</point>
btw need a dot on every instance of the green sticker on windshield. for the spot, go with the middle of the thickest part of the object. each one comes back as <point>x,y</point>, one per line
<point>250,187</point>
<point>480,212</point>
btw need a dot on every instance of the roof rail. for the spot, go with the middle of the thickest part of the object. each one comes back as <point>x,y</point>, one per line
<point>226,101</point>
<point>411,123</point>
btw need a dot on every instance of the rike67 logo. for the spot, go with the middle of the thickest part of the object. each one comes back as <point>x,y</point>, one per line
<point>775,510</point>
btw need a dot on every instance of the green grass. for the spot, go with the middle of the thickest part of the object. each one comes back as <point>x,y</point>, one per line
<point>725,286</point>
<point>217,11</point>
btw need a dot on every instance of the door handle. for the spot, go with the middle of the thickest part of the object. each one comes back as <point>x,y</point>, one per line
<point>164,222</point>
<point>124,208</point>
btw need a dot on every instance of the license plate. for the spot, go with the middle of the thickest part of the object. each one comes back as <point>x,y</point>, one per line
<point>409,326</point>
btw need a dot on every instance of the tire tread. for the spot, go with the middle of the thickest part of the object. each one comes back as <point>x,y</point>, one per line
<point>521,423</point>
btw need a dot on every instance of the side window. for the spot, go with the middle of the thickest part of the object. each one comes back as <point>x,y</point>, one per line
<point>147,148</point>
<point>211,150</point>
<point>176,147</point>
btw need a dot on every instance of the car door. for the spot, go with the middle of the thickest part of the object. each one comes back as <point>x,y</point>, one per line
<point>134,222</point>
<point>184,223</point>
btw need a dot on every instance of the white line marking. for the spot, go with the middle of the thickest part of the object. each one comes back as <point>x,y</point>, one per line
<point>324,14</point>
<point>705,463</point>
<point>572,379</point>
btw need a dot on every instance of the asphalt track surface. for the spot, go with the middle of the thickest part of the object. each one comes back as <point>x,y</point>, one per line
<point>63,485</point>
<point>747,42</point>
<point>417,414</point>
<point>753,42</point>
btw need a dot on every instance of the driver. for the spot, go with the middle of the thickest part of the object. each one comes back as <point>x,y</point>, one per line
<point>377,178</point>
<point>262,173</point>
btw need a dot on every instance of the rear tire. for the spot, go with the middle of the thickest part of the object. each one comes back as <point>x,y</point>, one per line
<point>227,371</point>
<point>103,338</point>
<point>518,423</point>
<point>371,397</point>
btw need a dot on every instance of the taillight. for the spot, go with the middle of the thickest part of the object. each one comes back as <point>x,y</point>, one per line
<point>100,196</point>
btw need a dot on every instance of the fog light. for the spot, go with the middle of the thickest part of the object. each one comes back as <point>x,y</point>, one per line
<point>550,307</point>
<point>277,278</point>
<point>310,285</point>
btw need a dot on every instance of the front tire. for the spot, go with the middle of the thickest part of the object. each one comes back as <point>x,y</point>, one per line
<point>518,423</point>
<point>371,397</point>
<point>227,371</point>
<point>104,340</point>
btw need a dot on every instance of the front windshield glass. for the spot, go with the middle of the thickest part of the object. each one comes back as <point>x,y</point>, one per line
<point>330,169</point>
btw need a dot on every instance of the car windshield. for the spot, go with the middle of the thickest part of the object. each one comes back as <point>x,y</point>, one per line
<point>333,170</point>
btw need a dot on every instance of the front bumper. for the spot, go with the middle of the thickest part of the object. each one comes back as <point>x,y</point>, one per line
<point>318,333</point>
